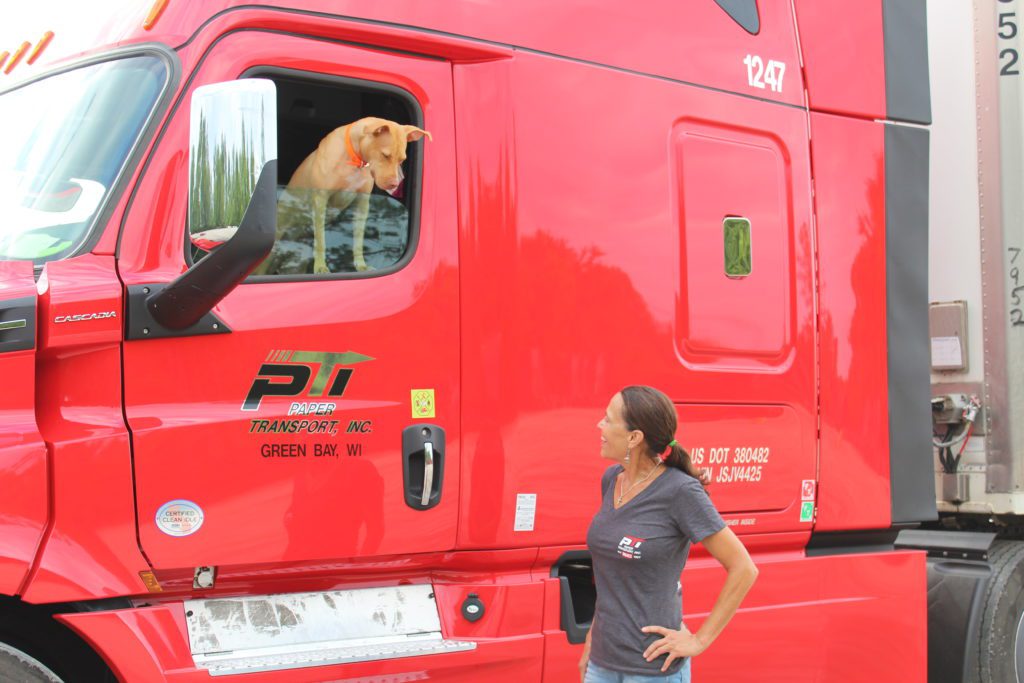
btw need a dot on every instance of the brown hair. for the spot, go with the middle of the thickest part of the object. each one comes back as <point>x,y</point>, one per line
<point>652,412</point>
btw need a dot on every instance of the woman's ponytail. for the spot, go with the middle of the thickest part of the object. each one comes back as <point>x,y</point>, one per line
<point>678,458</point>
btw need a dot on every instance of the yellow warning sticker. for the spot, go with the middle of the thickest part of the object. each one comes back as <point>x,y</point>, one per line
<point>422,403</point>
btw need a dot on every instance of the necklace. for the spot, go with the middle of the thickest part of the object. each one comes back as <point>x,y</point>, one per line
<point>618,501</point>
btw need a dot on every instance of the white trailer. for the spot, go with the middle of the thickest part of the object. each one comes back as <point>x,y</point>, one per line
<point>976,254</point>
<point>976,290</point>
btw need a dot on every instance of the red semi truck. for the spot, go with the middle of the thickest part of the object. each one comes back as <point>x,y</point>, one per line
<point>216,468</point>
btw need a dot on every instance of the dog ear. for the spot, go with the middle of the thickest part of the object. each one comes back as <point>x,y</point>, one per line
<point>412,133</point>
<point>380,130</point>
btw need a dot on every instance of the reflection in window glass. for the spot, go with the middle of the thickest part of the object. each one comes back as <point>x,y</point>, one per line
<point>65,140</point>
<point>384,240</point>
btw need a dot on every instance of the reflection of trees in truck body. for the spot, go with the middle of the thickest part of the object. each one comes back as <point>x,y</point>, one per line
<point>384,242</point>
<point>222,179</point>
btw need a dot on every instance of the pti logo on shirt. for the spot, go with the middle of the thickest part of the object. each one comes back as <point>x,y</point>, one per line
<point>629,547</point>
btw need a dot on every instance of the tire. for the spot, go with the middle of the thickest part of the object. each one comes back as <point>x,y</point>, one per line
<point>1001,632</point>
<point>18,667</point>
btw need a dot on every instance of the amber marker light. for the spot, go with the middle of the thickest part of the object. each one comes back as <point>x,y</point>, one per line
<point>18,54</point>
<point>149,578</point>
<point>154,14</point>
<point>40,46</point>
<point>3,58</point>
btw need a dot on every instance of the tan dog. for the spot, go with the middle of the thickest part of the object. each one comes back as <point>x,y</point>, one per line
<point>350,160</point>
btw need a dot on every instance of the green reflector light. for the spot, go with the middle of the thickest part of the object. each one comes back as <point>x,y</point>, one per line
<point>736,233</point>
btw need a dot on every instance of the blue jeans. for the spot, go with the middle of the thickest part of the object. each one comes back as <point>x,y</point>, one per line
<point>597,674</point>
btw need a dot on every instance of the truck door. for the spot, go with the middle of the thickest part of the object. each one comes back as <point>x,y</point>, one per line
<point>297,429</point>
<point>22,452</point>
<point>745,321</point>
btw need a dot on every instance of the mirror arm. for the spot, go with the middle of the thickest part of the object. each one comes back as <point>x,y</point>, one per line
<point>196,291</point>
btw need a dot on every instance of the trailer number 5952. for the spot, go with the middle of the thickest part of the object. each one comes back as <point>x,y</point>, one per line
<point>760,75</point>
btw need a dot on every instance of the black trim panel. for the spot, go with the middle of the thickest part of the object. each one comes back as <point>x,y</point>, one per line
<point>744,13</point>
<point>576,583</point>
<point>98,605</point>
<point>140,323</point>
<point>959,573</point>
<point>955,544</point>
<point>911,466</point>
<point>21,314</point>
<point>851,542</point>
<point>907,90</point>
<point>956,601</point>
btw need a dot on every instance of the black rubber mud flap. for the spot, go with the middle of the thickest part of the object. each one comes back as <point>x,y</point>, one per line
<point>975,605</point>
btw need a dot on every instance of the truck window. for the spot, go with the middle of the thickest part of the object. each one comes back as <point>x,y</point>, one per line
<point>366,230</point>
<point>66,138</point>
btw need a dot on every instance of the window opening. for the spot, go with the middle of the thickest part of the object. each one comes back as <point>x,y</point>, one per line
<point>339,214</point>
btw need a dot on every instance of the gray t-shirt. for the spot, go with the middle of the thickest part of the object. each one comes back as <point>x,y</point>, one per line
<point>639,551</point>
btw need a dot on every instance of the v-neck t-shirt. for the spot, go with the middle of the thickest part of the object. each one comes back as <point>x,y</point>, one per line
<point>639,551</point>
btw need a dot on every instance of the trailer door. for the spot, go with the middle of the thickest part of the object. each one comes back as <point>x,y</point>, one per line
<point>300,428</point>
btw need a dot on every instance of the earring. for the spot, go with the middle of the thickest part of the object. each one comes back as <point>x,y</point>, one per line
<point>627,453</point>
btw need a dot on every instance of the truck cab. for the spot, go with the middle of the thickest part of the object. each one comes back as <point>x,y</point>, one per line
<point>222,462</point>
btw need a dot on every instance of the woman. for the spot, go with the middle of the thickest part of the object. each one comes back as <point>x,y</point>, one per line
<point>654,505</point>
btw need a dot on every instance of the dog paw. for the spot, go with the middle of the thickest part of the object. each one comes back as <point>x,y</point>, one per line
<point>361,266</point>
<point>321,269</point>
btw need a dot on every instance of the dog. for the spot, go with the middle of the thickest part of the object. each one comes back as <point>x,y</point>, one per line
<point>346,165</point>
<point>348,162</point>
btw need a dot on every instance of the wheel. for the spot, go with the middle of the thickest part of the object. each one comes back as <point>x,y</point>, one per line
<point>18,667</point>
<point>1001,633</point>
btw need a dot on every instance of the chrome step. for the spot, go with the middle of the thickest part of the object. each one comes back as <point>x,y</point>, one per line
<point>273,632</point>
<point>253,661</point>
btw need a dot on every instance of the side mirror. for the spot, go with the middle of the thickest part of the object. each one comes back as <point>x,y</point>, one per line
<point>232,196</point>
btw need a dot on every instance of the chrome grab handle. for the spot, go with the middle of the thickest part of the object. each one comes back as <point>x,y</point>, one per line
<point>428,472</point>
<point>13,324</point>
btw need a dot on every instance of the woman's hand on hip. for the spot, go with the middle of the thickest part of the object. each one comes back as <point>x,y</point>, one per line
<point>584,660</point>
<point>676,644</point>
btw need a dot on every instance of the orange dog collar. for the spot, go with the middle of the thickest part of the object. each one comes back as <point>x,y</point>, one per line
<point>353,157</point>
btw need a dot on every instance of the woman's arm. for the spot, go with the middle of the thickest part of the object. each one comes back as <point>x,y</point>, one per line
<point>725,547</point>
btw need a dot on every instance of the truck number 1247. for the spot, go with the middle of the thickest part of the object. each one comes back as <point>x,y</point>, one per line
<point>759,75</point>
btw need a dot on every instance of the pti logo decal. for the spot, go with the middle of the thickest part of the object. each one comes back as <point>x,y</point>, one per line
<point>629,547</point>
<point>288,373</point>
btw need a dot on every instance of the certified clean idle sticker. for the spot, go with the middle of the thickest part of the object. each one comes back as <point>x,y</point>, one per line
<point>179,518</point>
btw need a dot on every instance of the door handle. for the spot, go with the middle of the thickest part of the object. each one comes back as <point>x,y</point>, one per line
<point>428,473</point>
<point>18,324</point>
<point>423,448</point>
